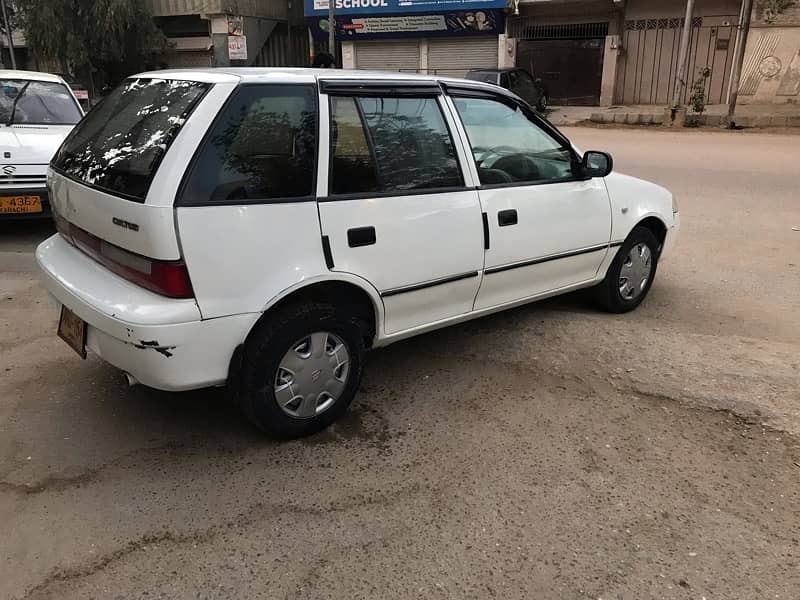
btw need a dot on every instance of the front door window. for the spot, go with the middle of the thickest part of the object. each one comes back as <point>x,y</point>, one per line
<point>509,148</point>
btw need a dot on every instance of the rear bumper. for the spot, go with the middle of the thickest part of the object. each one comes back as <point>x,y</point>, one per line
<point>46,212</point>
<point>162,342</point>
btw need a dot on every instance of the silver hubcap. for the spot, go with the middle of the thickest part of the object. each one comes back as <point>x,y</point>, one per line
<point>635,272</point>
<point>312,375</point>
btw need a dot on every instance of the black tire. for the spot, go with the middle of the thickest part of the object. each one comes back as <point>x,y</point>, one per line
<point>607,293</point>
<point>266,346</point>
<point>541,105</point>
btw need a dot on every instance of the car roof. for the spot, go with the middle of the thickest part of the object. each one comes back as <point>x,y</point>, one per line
<point>287,75</point>
<point>29,75</point>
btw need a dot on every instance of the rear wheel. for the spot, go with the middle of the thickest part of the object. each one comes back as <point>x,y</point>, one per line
<point>631,273</point>
<point>301,369</point>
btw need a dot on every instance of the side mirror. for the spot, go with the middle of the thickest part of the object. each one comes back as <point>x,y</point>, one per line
<point>597,164</point>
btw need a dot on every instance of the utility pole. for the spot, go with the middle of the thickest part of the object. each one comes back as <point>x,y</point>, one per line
<point>331,30</point>
<point>289,33</point>
<point>738,59</point>
<point>683,55</point>
<point>8,33</point>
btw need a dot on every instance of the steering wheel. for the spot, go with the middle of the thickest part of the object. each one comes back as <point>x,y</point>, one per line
<point>486,157</point>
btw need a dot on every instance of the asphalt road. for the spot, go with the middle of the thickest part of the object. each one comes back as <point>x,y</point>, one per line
<point>548,452</point>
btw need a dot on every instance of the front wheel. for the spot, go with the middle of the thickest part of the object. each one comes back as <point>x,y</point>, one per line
<point>631,273</point>
<point>541,105</point>
<point>301,369</point>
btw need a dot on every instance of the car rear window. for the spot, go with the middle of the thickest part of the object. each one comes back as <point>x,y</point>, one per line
<point>120,143</point>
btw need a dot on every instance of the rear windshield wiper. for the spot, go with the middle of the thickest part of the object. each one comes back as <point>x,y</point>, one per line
<point>14,103</point>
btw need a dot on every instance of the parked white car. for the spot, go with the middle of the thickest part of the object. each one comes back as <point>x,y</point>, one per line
<point>37,111</point>
<point>262,228</point>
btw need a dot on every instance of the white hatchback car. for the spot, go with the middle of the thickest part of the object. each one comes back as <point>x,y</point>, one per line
<point>37,111</point>
<point>261,228</point>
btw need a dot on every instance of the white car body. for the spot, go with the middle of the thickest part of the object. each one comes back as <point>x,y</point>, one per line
<point>428,269</point>
<point>26,148</point>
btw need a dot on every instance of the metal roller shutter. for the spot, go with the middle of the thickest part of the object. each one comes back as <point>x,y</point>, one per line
<point>453,57</point>
<point>396,55</point>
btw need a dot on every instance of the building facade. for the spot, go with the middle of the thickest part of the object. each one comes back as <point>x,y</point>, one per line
<point>771,69</point>
<point>623,51</point>
<point>588,52</point>
<point>413,35</point>
<point>217,33</point>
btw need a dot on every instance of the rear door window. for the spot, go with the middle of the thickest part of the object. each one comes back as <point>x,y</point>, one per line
<point>118,146</point>
<point>390,145</point>
<point>262,148</point>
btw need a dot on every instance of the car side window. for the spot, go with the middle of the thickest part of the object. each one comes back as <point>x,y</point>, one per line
<point>389,145</point>
<point>510,148</point>
<point>526,86</point>
<point>262,147</point>
<point>525,79</point>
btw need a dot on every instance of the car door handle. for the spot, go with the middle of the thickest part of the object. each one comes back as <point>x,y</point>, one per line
<point>360,236</point>
<point>507,217</point>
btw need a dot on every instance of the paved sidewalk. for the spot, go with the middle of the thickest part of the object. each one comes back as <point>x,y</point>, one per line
<point>747,115</point>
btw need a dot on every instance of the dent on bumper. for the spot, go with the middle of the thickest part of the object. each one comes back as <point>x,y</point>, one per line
<point>178,357</point>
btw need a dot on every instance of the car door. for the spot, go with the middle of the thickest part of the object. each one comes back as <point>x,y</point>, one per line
<point>393,202</point>
<point>549,227</point>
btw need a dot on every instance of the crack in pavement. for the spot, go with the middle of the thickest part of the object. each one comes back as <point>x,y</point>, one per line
<point>254,514</point>
<point>81,571</point>
<point>54,483</point>
<point>352,426</point>
<point>60,482</point>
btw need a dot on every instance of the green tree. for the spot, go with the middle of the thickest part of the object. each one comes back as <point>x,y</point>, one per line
<point>111,37</point>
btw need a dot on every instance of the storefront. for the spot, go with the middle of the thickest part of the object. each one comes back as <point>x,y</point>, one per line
<point>413,36</point>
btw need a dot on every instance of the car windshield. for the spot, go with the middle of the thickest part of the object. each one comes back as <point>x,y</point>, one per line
<point>484,76</point>
<point>37,103</point>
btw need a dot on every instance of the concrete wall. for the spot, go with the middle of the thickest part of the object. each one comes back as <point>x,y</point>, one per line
<point>771,69</point>
<point>256,31</point>
<point>610,64</point>
<point>506,51</point>
<point>348,55</point>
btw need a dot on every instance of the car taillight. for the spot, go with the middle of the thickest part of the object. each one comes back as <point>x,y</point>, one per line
<point>168,278</point>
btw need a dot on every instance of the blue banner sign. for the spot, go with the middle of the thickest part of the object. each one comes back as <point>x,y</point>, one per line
<point>375,27</point>
<point>314,8</point>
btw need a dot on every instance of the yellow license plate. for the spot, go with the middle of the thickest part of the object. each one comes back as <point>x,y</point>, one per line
<point>20,204</point>
<point>72,329</point>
